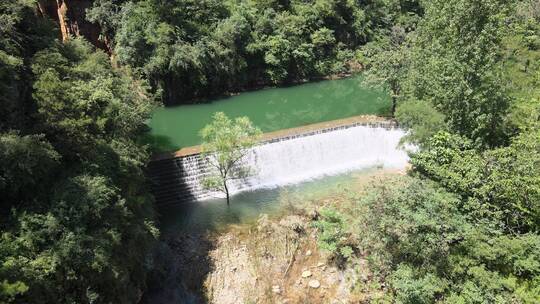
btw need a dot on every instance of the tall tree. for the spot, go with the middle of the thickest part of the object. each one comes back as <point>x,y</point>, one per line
<point>226,143</point>
<point>456,65</point>
<point>387,63</point>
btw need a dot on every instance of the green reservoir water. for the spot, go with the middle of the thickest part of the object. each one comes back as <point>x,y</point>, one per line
<point>270,109</point>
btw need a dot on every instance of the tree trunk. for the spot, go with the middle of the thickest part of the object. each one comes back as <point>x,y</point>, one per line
<point>227,192</point>
<point>394,102</point>
<point>395,91</point>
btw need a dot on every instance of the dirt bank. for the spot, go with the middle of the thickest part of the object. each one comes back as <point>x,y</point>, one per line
<point>276,261</point>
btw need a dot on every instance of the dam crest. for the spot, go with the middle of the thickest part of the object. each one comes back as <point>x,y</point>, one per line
<point>286,157</point>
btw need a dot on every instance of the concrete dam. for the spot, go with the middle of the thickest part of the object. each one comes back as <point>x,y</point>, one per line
<point>286,157</point>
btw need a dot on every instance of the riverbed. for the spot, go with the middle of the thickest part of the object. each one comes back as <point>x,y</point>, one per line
<point>209,244</point>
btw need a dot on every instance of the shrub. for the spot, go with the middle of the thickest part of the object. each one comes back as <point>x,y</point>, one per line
<point>333,235</point>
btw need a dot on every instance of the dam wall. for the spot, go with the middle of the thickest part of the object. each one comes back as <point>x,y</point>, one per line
<point>290,157</point>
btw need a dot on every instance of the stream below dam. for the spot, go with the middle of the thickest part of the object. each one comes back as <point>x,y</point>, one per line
<point>214,214</point>
<point>191,231</point>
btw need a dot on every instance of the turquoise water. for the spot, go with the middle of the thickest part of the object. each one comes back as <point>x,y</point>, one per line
<point>269,109</point>
<point>247,206</point>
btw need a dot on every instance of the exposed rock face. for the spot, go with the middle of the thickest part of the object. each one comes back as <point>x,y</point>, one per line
<point>71,18</point>
<point>266,264</point>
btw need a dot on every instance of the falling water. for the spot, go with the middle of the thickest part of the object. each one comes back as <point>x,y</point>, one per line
<point>290,160</point>
<point>299,159</point>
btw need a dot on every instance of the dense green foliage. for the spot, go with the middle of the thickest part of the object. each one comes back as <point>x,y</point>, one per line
<point>76,218</point>
<point>431,247</point>
<point>452,62</point>
<point>464,226</point>
<point>483,235</point>
<point>192,49</point>
<point>226,143</point>
<point>456,66</point>
<point>500,186</point>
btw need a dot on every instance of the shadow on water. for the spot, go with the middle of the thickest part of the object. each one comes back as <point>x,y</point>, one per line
<point>182,261</point>
<point>157,143</point>
<point>181,264</point>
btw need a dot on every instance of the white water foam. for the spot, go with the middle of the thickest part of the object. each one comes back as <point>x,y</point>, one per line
<point>339,151</point>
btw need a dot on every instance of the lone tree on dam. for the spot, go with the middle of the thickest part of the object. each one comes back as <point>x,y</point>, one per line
<point>226,143</point>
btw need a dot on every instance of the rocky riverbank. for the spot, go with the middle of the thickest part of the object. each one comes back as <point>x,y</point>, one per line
<point>275,259</point>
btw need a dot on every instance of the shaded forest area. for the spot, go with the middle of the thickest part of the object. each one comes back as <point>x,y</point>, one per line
<point>76,217</point>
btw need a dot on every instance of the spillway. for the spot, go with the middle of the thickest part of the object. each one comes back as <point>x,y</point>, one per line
<point>288,159</point>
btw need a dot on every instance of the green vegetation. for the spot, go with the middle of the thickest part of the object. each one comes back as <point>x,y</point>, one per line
<point>77,221</point>
<point>225,146</point>
<point>194,49</point>
<point>334,236</point>
<point>464,226</point>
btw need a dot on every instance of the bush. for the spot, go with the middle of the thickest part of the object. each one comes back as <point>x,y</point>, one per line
<point>333,235</point>
<point>429,249</point>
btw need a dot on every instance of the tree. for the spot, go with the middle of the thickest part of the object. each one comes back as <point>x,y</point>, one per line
<point>421,119</point>
<point>387,64</point>
<point>428,248</point>
<point>225,146</point>
<point>455,63</point>
<point>195,49</point>
<point>76,213</point>
<point>25,161</point>
<point>500,185</point>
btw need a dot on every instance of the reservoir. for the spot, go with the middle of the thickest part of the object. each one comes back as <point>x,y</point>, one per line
<point>269,109</point>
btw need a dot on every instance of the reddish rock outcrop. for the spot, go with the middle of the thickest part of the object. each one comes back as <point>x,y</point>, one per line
<point>71,18</point>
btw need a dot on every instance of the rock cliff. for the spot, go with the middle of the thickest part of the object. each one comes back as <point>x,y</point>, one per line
<point>71,18</point>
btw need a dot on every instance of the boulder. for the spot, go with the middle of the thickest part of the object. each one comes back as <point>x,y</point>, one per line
<point>314,284</point>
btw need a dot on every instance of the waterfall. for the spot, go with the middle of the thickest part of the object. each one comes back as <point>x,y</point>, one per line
<point>330,153</point>
<point>302,157</point>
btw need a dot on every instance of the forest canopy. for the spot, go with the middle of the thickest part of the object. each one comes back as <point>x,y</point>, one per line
<point>77,220</point>
<point>205,48</point>
<point>463,227</point>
